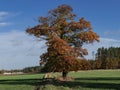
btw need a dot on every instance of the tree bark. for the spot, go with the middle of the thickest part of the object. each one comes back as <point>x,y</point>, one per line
<point>64,74</point>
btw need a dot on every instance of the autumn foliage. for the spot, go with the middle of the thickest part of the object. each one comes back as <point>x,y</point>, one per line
<point>65,38</point>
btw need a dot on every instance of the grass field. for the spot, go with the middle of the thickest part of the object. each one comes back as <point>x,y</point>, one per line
<point>84,80</point>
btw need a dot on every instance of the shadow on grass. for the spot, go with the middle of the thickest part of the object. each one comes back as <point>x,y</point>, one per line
<point>100,78</point>
<point>95,83</point>
<point>79,82</point>
<point>92,83</point>
<point>33,82</point>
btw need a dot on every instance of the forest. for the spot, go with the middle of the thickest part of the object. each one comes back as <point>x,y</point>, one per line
<point>107,58</point>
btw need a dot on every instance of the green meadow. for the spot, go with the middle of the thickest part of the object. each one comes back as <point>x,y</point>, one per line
<point>84,80</point>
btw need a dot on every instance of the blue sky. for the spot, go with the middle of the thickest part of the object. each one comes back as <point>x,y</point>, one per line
<point>18,50</point>
<point>104,15</point>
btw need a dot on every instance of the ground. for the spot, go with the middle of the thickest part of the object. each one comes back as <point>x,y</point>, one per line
<point>83,80</point>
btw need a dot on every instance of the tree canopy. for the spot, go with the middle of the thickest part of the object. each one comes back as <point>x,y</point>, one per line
<point>65,37</point>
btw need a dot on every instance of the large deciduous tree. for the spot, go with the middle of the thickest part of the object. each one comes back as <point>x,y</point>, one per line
<point>65,36</point>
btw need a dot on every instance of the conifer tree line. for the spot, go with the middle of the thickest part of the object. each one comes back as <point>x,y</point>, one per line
<point>107,58</point>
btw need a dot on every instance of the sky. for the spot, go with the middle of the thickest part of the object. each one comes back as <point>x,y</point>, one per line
<point>19,50</point>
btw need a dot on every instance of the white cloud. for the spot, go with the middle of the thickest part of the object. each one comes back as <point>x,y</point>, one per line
<point>3,15</point>
<point>4,24</point>
<point>112,33</point>
<point>6,15</point>
<point>18,50</point>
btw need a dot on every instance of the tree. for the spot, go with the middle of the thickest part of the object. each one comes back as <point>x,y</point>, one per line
<point>65,38</point>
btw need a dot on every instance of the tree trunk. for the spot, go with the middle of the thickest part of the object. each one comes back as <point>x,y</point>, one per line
<point>64,74</point>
